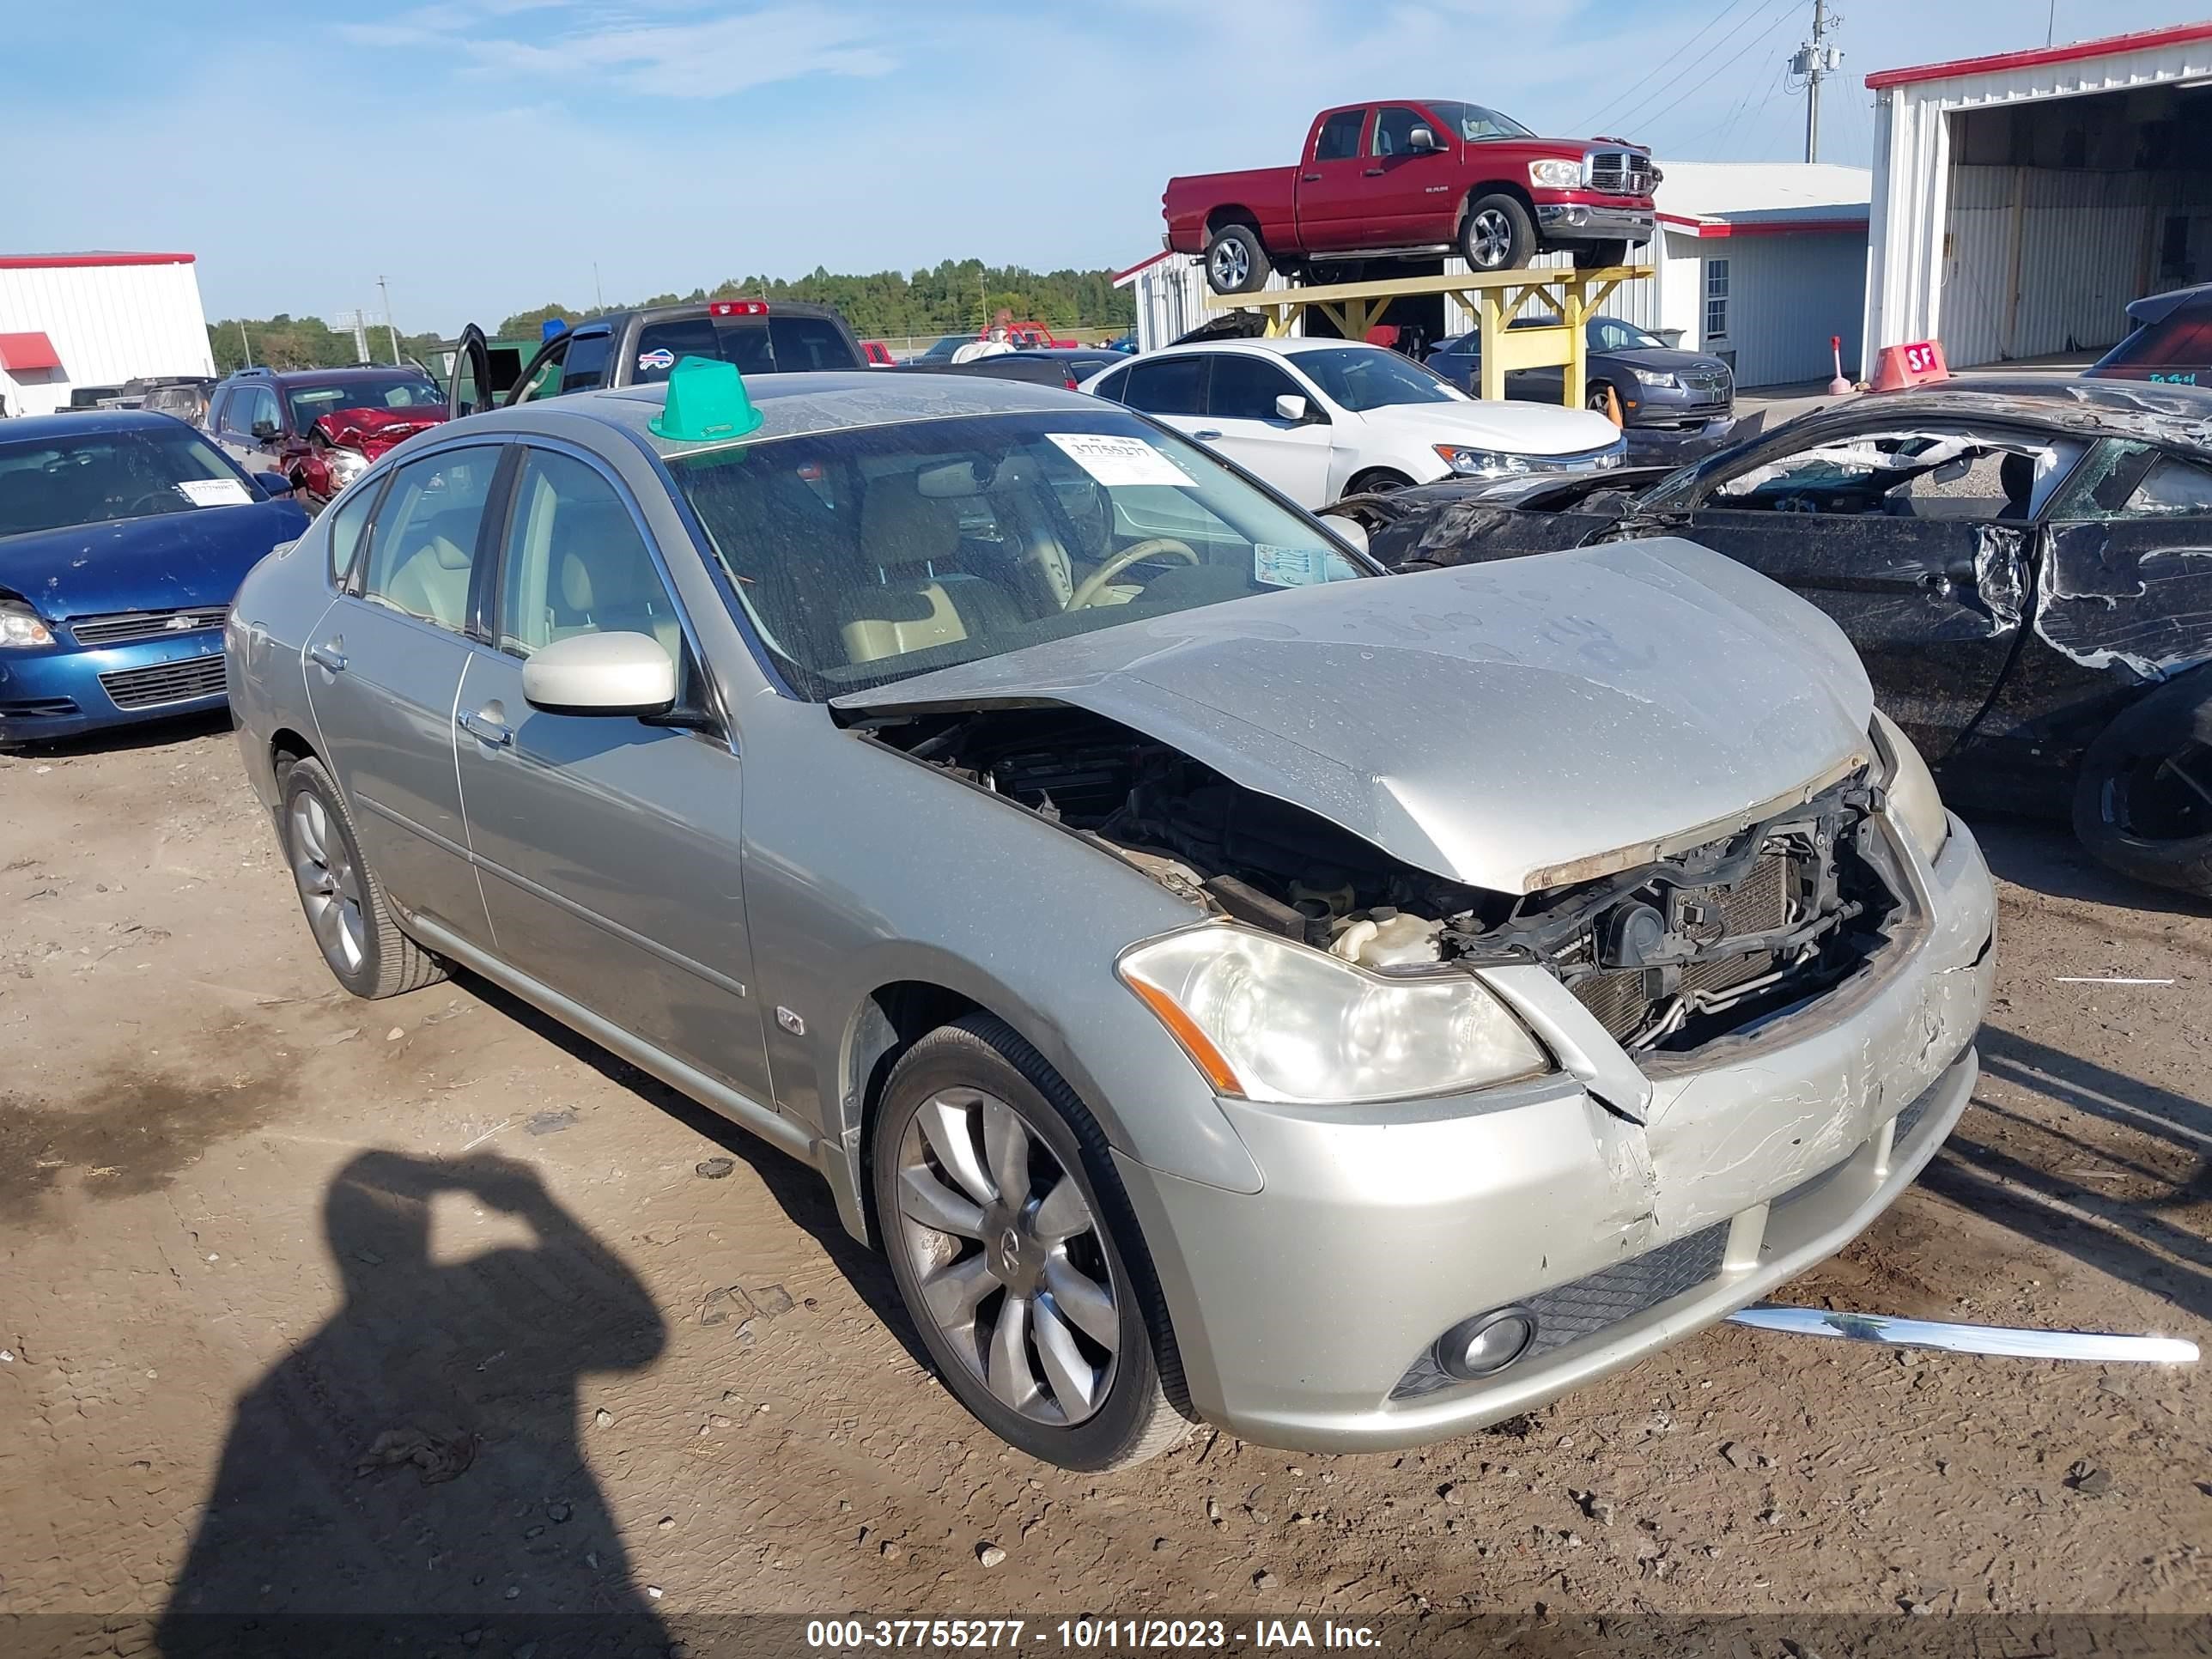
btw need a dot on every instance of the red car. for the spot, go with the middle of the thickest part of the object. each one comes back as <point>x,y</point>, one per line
<point>320,427</point>
<point>1416,176</point>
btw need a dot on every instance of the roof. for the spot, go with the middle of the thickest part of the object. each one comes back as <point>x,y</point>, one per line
<point>793,405</point>
<point>33,429</point>
<point>23,352</point>
<point>1748,198</point>
<point>344,376</point>
<point>2035,57</point>
<point>2157,308</point>
<point>1284,345</point>
<point>2177,414</point>
<point>1123,278</point>
<point>94,258</point>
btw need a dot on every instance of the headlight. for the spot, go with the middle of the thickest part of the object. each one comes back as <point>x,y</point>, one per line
<point>1556,175</point>
<point>1269,1019</point>
<point>20,625</point>
<point>1915,805</point>
<point>345,465</point>
<point>1653,376</point>
<point>1483,463</point>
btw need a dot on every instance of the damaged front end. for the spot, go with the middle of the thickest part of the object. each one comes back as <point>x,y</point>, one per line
<point>1692,943</point>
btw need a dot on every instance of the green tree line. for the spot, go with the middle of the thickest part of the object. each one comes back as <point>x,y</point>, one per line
<point>956,296</point>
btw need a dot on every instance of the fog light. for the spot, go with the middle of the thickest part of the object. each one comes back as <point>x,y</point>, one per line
<point>1486,1344</point>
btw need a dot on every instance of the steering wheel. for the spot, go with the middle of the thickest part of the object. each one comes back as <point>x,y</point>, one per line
<point>1095,584</point>
<point>153,500</point>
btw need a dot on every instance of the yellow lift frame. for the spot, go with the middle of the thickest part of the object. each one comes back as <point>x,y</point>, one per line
<point>1496,298</point>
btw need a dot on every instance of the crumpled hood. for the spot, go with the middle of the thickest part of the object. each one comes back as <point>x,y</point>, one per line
<point>1521,429</point>
<point>1490,724</point>
<point>373,431</point>
<point>170,560</point>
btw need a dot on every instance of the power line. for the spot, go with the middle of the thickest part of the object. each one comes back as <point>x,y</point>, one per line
<point>1590,123</point>
<point>1780,17</point>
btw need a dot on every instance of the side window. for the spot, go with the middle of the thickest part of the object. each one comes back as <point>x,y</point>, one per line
<point>1338,139</point>
<point>545,381</point>
<point>2173,488</point>
<point>583,366</point>
<point>2126,480</point>
<point>1717,299</point>
<point>1111,386</point>
<point>1166,386</point>
<point>219,409</point>
<point>424,540</point>
<point>1245,388</point>
<point>260,410</point>
<point>1393,130</point>
<point>345,531</point>
<point>576,563</point>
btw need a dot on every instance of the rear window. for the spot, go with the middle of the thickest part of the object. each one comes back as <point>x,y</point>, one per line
<point>2177,347</point>
<point>757,346</point>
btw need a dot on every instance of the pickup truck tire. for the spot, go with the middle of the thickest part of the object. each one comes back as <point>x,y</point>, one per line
<point>2140,803</point>
<point>1235,261</point>
<point>1497,234</point>
<point>1596,256</point>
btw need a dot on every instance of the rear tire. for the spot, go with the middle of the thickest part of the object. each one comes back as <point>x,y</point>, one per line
<point>1086,1376</point>
<point>1596,256</point>
<point>2142,801</point>
<point>1497,234</point>
<point>1236,262</point>
<point>339,894</point>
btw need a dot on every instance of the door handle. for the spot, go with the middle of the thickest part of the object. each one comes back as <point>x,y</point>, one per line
<point>327,656</point>
<point>1309,178</point>
<point>1372,173</point>
<point>1207,436</point>
<point>485,731</point>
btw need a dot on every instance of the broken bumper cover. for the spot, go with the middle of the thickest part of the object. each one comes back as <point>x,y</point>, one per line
<point>1580,221</point>
<point>1305,1313</point>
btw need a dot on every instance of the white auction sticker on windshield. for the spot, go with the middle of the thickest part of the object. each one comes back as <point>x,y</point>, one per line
<point>214,492</point>
<point>1288,567</point>
<point>1115,461</point>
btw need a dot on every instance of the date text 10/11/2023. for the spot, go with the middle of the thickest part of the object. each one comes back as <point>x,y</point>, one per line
<point>856,1634</point>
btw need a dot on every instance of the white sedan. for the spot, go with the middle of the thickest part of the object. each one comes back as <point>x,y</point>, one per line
<point>1319,419</point>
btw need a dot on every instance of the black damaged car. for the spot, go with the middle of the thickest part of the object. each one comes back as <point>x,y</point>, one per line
<point>2025,568</point>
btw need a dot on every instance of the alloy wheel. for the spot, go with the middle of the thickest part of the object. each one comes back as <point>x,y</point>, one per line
<point>329,883</point>
<point>1231,266</point>
<point>1009,1258</point>
<point>1491,240</point>
<point>2165,797</point>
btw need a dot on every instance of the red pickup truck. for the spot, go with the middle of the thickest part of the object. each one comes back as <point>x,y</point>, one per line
<point>1416,176</point>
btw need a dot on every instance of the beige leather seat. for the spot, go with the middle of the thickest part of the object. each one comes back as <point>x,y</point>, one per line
<point>907,596</point>
<point>433,581</point>
<point>621,594</point>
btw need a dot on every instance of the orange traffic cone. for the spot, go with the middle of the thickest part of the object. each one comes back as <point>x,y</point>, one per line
<point>1611,404</point>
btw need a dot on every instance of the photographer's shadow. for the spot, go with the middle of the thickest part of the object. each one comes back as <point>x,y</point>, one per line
<point>418,1455</point>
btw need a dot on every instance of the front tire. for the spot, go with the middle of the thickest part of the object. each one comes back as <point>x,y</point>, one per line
<point>1378,480</point>
<point>1236,262</point>
<point>2142,801</point>
<point>1497,234</point>
<point>1018,1254</point>
<point>340,895</point>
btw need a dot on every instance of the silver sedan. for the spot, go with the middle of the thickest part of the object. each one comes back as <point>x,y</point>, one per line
<point>1229,983</point>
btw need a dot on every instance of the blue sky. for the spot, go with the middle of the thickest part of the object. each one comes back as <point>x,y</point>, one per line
<point>482,154</point>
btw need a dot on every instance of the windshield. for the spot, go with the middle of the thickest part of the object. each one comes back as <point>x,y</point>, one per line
<point>1363,377</point>
<point>1474,124</point>
<point>1611,334</point>
<point>308,403</point>
<point>98,478</point>
<point>870,554</point>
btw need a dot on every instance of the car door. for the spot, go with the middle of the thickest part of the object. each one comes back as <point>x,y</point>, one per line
<point>1172,389</point>
<point>1332,186</point>
<point>384,670</point>
<point>469,387</point>
<point>1243,422</point>
<point>607,844</point>
<point>1412,192</point>
<point>1926,575</point>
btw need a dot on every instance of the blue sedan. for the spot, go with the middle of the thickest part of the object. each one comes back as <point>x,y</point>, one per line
<point>123,537</point>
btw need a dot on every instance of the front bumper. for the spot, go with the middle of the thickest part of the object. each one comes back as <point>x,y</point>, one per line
<point>1587,221</point>
<point>1304,1313</point>
<point>1681,408</point>
<point>65,691</point>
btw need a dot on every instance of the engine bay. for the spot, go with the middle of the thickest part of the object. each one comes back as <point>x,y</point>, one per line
<point>1666,957</point>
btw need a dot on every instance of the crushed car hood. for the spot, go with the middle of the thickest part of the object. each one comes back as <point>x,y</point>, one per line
<point>1509,726</point>
<point>1520,428</point>
<point>373,431</point>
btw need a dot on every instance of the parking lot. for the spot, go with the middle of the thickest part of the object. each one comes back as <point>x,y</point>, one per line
<point>646,1389</point>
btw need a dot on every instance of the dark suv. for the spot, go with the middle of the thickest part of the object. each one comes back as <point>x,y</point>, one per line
<point>2171,340</point>
<point>631,347</point>
<point>320,427</point>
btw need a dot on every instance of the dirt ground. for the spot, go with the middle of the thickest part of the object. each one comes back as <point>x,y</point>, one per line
<point>606,1383</point>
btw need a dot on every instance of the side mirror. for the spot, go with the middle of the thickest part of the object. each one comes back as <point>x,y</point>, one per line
<point>1422,138</point>
<point>601,674</point>
<point>264,430</point>
<point>1292,407</point>
<point>275,486</point>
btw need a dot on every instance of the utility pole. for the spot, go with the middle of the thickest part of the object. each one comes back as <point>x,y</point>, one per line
<point>245,345</point>
<point>390,332</point>
<point>1815,61</point>
<point>358,322</point>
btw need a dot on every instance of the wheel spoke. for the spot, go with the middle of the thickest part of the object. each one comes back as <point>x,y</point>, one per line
<point>329,924</point>
<point>1009,1373</point>
<point>924,1197</point>
<point>1088,1304</point>
<point>303,827</point>
<point>1074,1382</point>
<point>954,1294</point>
<point>1063,1214</point>
<point>949,1128</point>
<point>2190,780</point>
<point>1006,1142</point>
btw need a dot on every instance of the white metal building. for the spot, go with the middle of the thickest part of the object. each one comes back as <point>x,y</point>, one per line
<point>83,319</point>
<point>2021,200</point>
<point>1761,262</point>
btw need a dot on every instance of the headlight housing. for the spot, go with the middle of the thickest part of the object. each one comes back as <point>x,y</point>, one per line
<point>1916,806</point>
<point>345,465</point>
<point>1556,174</point>
<point>1269,1019</point>
<point>1483,463</point>
<point>21,626</point>
<point>1653,376</point>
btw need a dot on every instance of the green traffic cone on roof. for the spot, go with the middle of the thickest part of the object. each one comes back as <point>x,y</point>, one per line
<point>707,400</point>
